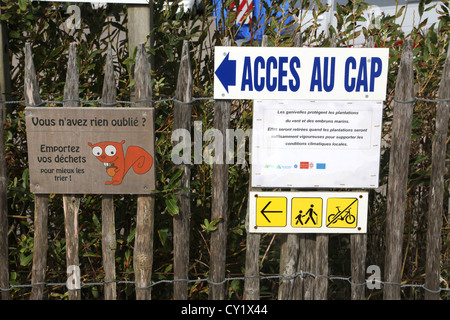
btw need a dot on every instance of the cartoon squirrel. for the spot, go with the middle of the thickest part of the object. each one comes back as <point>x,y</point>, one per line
<point>117,163</point>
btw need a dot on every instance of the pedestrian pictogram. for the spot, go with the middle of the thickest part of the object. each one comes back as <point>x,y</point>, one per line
<point>342,212</point>
<point>271,211</point>
<point>306,212</point>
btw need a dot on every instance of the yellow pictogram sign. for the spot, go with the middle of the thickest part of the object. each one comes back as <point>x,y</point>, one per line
<point>342,212</point>
<point>271,211</point>
<point>306,212</point>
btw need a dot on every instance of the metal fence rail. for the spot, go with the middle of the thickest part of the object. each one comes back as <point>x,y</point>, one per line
<point>173,99</point>
<point>302,274</point>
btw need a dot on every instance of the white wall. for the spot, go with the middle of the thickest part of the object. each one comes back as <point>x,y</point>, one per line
<point>409,19</point>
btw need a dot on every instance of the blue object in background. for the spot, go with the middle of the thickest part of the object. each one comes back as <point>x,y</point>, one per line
<point>258,20</point>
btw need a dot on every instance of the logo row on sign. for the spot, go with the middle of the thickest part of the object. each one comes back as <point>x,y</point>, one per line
<point>306,212</point>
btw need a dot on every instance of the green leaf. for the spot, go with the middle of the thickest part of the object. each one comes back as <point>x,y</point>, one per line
<point>339,10</point>
<point>127,254</point>
<point>400,12</point>
<point>162,233</point>
<point>235,284</point>
<point>131,236</point>
<point>172,206</point>
<point>93,54</point>
<point>210,226</point>
<point>25,176</point>
<point>23,4</point>
<point>421,5</point>
<point>25,260</point>
<point>94,291</point>
<point>420,159</point>
<point>14,34</point>
<point>5,16</point>
<point>205,225</point>
<point>96,221</point>
<point>168,268</point>
<point>432,36</point>
<point>177,174</point>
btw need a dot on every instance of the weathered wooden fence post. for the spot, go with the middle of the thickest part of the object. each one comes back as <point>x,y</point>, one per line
<point>436,200</point>
<point>181,221</point>
<point>358,248</point>
<point>297,291</point>
<point>321,284</point>
<point>108,222</point>
<point>288,265</point>
<point>5,68</point>
<point>40,200</point>
<point>143,249</point>
<point>252,281</point>
<point>219,206</point>
<point>322,240</point>
<point>312,256</point>
<point>140,24</point>
<point>290,247</point>
<point>4,273</point>
<point>304,288</point>
<point>5,85</point>
<point>398,172</point>
<point>71,203</point>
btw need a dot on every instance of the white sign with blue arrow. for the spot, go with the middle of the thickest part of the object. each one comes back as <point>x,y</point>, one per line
<point>301,73</point>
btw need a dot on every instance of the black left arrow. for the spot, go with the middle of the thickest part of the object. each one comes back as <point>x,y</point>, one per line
<point>263,211</point>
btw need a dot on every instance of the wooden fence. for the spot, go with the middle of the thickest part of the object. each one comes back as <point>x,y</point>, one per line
<point>304,257</point>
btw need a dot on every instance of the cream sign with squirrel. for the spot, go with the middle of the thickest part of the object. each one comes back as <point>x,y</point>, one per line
<point>65,143</point>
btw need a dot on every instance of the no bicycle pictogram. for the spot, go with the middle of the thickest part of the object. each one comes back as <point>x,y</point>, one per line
<point>342,212</point>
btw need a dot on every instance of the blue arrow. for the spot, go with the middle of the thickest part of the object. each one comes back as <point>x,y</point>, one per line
<point>226,72</point>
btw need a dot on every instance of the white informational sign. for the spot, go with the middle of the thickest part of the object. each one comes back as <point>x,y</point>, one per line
<point>300,73</point>
<point>308,212</point>
<point>316,144</point>
<point>102,1</point>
